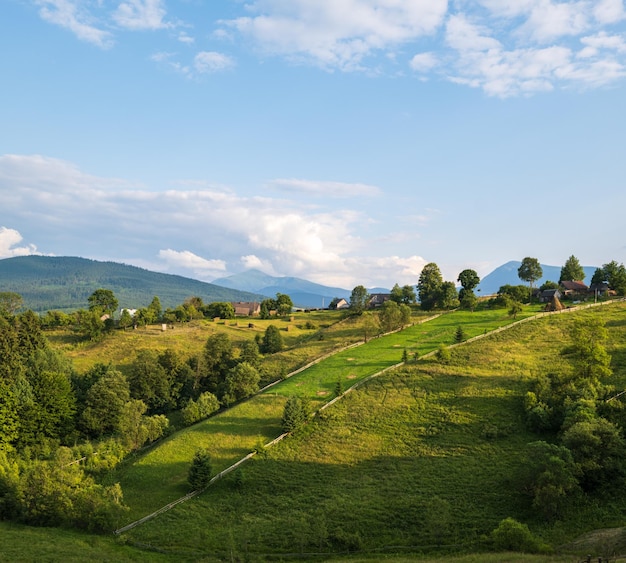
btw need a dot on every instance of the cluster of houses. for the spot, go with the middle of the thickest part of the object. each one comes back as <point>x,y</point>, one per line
<point>575,291</point>
<point>374,300</point>
<point>253,308</point>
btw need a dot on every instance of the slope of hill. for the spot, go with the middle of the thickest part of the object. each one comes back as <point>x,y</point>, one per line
<point>507,274</point>
<point>433,454</point>
<point>64,283</point>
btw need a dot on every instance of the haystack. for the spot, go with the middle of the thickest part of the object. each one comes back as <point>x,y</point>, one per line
<point>554,305</point>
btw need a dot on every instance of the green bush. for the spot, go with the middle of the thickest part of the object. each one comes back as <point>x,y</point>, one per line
<point>443,354</point>
<point>204,407</point>
<point>511,535</point>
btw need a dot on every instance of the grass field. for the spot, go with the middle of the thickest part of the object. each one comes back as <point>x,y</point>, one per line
<point>425,458</point>
<point>306,337</point>
<point>422,460</point>
<point>25,544</point>
<point>234,433</point>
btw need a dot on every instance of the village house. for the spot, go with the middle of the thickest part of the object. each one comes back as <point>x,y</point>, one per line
<point>246,308</point>
<point>547,295</point>
<point>377,299</point>
<point>574,289</point>
<point>339,303</point>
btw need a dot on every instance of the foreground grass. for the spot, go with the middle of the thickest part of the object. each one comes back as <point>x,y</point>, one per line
<point>427,458</point>
<point>23,544</point>
<point>26,544</point>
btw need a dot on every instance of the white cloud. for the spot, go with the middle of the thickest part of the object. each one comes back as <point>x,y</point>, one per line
<point>496,45</point>
<point>185,38</point>
<point>337,33</point>
<point>594,44</point>
<point>9,238</point>
<point>79,214</point>
<point>485,62</point>
<point>463,35</point>
<point>549,20</point>
<point>186,260</point>
<point>609,11</point>
<point>325,189</point>
<point>72,15</point>
<point>424,62</point>
<point>252,262</point>
<point>210,61</point>
<point>141,15</point>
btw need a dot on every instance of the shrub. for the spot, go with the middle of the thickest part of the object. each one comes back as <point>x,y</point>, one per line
<point>204,407</point>
<point>511,535</point>
<point>443,354</point>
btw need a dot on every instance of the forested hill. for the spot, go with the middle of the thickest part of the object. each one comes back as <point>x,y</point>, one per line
<point>64,283</point>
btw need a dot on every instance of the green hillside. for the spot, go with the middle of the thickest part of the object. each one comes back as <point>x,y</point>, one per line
<point>419,463</point>
<point>64,283</point>
<point>426,458</point>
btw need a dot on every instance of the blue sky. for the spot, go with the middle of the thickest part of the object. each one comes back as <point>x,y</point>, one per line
<point>343,141</point>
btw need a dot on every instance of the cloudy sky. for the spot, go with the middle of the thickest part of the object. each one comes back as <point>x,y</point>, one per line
<point>343,141</point>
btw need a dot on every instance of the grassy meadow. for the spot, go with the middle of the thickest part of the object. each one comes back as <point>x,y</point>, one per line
<point>234,433</point>
<point>426,458</point>
<point>419,463</point>
<point>306,336</point>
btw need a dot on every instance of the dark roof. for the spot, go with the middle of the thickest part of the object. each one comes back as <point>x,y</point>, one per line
<point>550,293</point>
<point>574,286</point>
<point>378,298</point>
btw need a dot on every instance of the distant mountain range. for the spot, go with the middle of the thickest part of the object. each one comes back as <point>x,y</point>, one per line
<point>63,283</point>
<point>507,274</point>
<point>303,293</point>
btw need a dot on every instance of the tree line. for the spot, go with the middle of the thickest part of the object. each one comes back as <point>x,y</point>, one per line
<point>576,412</point>
<point>433,292</point>
<point>60,429</point>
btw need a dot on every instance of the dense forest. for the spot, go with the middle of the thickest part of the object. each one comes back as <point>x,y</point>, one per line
<point>65,283</point>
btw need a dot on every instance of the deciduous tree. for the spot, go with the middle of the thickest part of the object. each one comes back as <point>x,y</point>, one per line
<point>10,302</point>
<point>358,300</point>
<point>429,286</point>
<point>530,270</point>
<point>241,382</point>
<point>615,276</point>
<point>284,305</point>
<point>103,301</point>
<point>149,382</point>
<point>468,279</point>
<point>217,360</point>
<point>448,296</point>
<point>390,316</point>
<point>272,340</point>
<point>104,404</point>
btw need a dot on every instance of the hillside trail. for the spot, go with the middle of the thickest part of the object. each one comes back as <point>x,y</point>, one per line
<point>320,364</point>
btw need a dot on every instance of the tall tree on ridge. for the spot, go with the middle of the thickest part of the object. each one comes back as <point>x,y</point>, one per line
<point>572,270</point>
<point>530,271</point>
